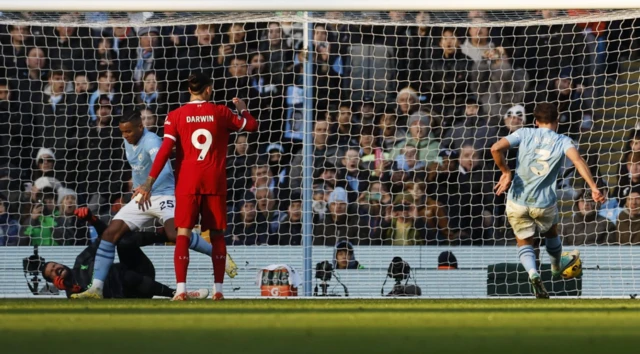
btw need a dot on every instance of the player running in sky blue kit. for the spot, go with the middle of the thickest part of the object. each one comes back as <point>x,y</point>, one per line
<point>141,147</point>
<point>532,201</point>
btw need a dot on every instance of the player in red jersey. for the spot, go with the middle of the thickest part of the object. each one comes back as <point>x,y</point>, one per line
<point>200,131</point>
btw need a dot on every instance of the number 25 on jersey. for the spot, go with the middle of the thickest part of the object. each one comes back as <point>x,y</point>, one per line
<point>204,147</point>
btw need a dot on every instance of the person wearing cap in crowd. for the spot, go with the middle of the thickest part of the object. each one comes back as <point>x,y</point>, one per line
<point>344,256</point>
<point>246,226</point>
<point>585,226</point>
<point>44,166</point>
<point>9,227</point>
<point>420,135</point>
<point>447,261</point>
<point>40,223</point>
<point>629,220</point>
<point>340,223</point>
<point>69,229</point>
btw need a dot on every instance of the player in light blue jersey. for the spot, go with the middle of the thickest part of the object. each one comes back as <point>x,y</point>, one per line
<point>532,201</point>
<point>141,147</point>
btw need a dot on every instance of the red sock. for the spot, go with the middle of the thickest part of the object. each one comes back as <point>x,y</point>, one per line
<point>181,258</point>
<point>219,257</point>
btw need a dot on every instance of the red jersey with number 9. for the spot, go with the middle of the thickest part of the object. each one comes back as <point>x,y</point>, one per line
<point>201,132</point>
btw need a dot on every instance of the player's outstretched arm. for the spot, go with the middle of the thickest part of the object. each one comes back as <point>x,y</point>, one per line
<point>497,151</point>
<point>142,194</point>
<point>247,122</point>
<point>573,155</point>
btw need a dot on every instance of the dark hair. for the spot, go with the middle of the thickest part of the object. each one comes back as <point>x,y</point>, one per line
<point>104,74</point>
<point>367,130</point>
<point>79,73</point>
<point>545,113</point>
<point>198,82</point>
<point>4,82</point>
<point>56,72</point>
<point>133,118</point>
<point>147,73</point>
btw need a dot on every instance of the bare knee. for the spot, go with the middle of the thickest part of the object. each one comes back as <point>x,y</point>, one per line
<point>115,231</point>
<point>529,241</point>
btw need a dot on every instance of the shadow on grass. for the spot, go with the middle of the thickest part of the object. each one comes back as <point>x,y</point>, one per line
<point>86,310</point>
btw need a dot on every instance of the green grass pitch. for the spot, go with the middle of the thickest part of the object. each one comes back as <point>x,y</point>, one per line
<point>317,326</point>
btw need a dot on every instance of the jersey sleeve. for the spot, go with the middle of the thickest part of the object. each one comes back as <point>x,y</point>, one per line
<point>238,123</point>
<point>568,143</point>
<point>515,138</point>
<point>152,147</point>
<point>170,127</point>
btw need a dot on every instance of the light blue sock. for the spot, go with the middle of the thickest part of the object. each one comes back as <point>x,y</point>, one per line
<point>199,244</point>
<point>104,259</point>
<point>554,249</point>
<point>528,259</point>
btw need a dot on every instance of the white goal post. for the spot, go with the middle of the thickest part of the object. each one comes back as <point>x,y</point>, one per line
<point>414,92</point>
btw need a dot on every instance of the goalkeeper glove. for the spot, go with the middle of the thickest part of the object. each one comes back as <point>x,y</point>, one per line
<point>85,214</point>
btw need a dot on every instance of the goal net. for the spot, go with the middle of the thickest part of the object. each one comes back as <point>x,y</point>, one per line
<point>373,141</point>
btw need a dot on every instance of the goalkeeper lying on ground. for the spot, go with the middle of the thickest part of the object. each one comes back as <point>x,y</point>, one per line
<point>133,277</point>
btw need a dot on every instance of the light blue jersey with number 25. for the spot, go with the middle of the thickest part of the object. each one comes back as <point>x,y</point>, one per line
<point>540,156</point>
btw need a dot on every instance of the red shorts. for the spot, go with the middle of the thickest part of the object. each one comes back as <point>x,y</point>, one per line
<point>213,209</point>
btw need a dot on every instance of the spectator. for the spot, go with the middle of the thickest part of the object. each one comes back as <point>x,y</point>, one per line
<point>31,79</point>
<point>344,129</point>
<point>629,220</point>
<point>473,127</point>
<point>420,47</point>
<point>408,160</point>
<point>44,166</point>
<point>322,151</point>
<point>279,167</point>
<point>433,212</point>
<point>632,144</point>
<point>150,121</point>
<point>202,51</point>
<point>471,209</point>
<point>350,176</point>
<point>372,157</point>
<point>339,224</point>
<point>9,228</point>
<point>344,257</point>
<point>289,231</point>
<point>450,69</point>
<point>420,136</point>
<point>13,54</point>
<point>630,180</point>
<point>280,53</point>
<point>238,171</point>
<point>327,67</point>
<point>234,44</point>
<point>585,226</point>
<point>66,48</point>
<point>38,227</point>
<point>477,43</point>
<point>81,88</point>
<point>370,209</point>
<point>16,131</point>
<point>104,57</point>
<point>408,104</point>
<point>367,115</point>
<point>447,261</point>
<point>247,227</point>
<point>401,227</point>
<point>266,206</point>
<point>391,135</point>
<point>372,68</point>
<point>101,158</point>
<point>69,229</point>
<point>56,124</point>
<point>152,94</point>
<point>106,87</point>
<point>497,83</point>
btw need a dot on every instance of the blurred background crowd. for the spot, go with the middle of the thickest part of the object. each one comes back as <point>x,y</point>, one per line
<point>403,118</point>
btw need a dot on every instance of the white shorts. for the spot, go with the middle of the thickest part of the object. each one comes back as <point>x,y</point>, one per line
<point>524,220</point>
<point>162,207</point>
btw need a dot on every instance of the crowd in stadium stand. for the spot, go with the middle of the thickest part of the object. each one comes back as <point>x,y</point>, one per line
<point>403,117</point>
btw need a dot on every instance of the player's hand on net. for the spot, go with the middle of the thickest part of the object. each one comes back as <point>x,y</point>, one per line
<point>597,196</point>
<point>503,184</point>
<point>240,105</point>
<point>142,196</point>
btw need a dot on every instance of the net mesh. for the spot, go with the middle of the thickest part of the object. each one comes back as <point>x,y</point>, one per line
<point>405,108</point>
